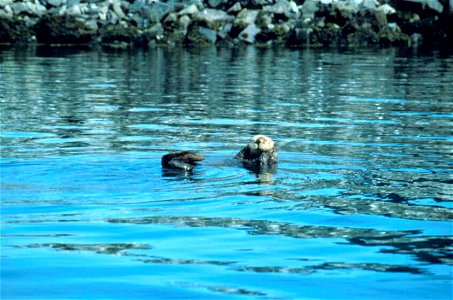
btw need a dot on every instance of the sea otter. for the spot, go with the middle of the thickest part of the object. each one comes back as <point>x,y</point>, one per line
<point>181,160</point>
<point>260,153</point>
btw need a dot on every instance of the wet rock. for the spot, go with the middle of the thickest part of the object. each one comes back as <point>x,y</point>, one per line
<point>433,4</point>
<point>328,34</point>
<point>170,20</point>
<point>209,34</point>
<point>264,21</point>
<point>201,36</point>
<point>225,30</point>
<point>299,37</point>
<point>13,31</point>
<point>416,38</point>
<point>63,30</point>
<point>319,22</point>
<point>155,32</point>
<point>112,34</point>
<point>392,34</point>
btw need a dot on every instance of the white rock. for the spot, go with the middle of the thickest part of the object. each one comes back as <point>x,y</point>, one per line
<point>249,33</point>
<point>55,2</point>
<point>309,8</point>
<point>211,16</point>
<point>214,3</point>
<point>293,11</point>
<point>74,10</point>
<point>6,12</point>
<point>237,7</point>
<point>386,9</point>
<point>394,27</point>
<point>112,18</point>
<point>209,34</point>
<point>20,7</point>
<point>171,18</point>
<point>102,14</point>
<point>4,3</point>
<point>118,11</point>
<point>370,4</point>
<point>189,10</point>
<point>92,24</point>
<point>184,22</point>
<point>62,10</point>
<point>92,9</point>
<point>247,16</point>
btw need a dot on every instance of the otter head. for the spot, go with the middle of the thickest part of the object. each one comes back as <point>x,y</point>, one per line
<point>260,152</point>
<point>261,143</point>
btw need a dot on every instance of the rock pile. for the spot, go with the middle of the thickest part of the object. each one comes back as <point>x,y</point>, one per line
<point>198,22</point>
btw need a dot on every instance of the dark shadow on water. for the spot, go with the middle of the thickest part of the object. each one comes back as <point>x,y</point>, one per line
<point>111,248</point>
<point>430,249</point>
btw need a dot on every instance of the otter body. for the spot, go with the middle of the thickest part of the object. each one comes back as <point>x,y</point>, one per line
<point>259,153</point>
<point>181,160</point>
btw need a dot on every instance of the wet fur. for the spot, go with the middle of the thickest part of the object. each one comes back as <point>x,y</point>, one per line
<point>180,160</point>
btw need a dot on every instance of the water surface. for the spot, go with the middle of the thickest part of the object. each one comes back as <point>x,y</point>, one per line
<point>360,206</point>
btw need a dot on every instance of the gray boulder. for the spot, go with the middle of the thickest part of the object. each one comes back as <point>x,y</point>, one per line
<point>283,7</point>
<point>56,2</point>
<point>249,33</point>
<point>201,36</point>
<point>213,18</point>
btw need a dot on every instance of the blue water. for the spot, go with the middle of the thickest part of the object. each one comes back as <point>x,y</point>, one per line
<point>360,206</point>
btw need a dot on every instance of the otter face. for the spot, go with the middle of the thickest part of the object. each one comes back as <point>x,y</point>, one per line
<point>260,153</point>
<point>261,143</point>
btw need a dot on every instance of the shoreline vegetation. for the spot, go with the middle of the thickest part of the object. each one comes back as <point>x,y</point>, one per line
<point>202,23</point>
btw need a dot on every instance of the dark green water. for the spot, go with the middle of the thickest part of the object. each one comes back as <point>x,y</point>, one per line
<point>360,206</point>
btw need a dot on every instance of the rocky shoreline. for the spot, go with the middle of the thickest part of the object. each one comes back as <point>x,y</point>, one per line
<point>150,23</point>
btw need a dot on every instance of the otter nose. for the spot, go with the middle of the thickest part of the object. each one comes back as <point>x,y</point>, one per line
<point>260,140</point>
